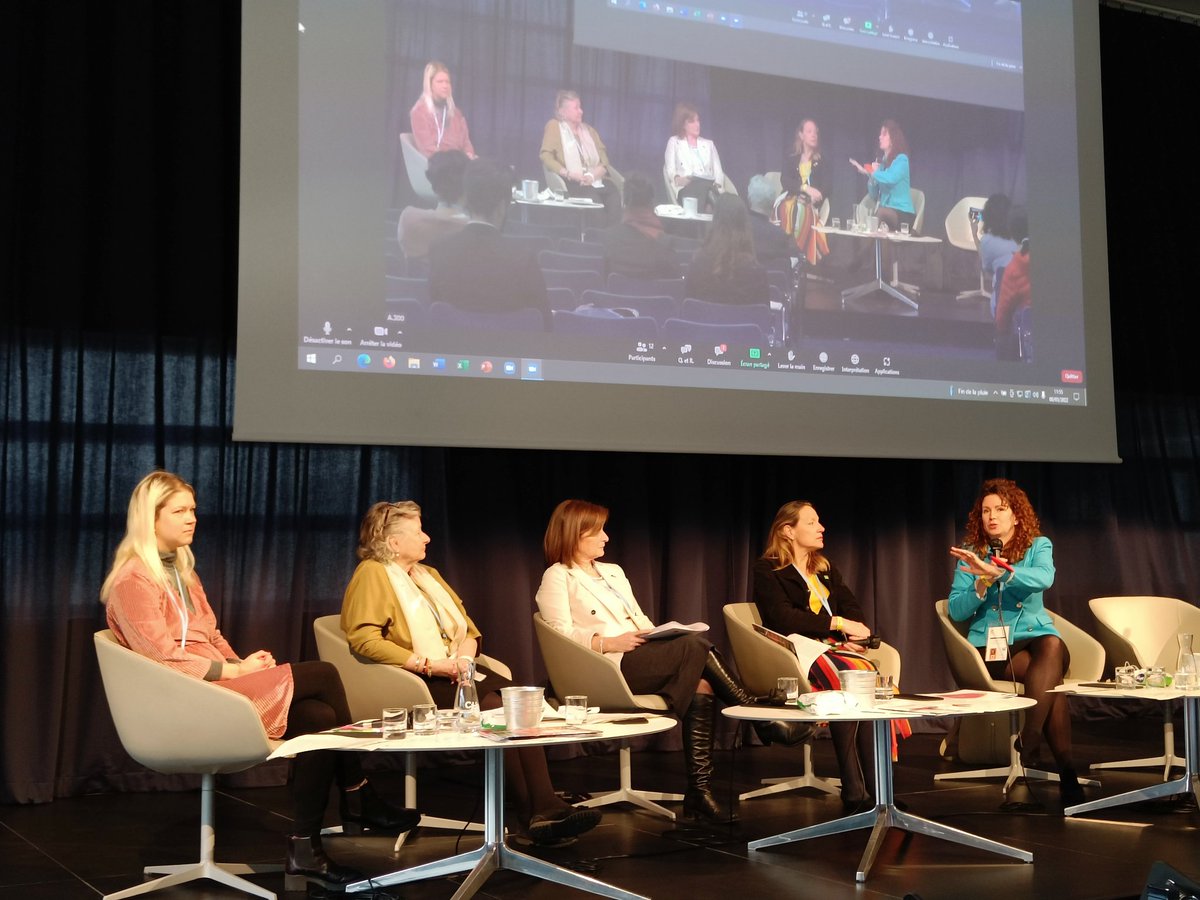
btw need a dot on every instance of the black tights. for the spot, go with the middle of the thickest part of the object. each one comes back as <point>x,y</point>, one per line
<point>318,703</point>
<point>1040,664</point>
<point>853,744</point>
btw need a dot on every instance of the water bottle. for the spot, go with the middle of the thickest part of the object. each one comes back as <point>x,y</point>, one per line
<point>466,698</point>
<point>1186,673</point>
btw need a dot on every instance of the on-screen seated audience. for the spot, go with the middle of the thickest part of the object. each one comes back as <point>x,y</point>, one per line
<point>638,247</point>
<point>725,268</point>
<point>437,124</point>
<point>1012,293</point>
<point>156,606</point>
<point>477,269</point>
<point>772,247</point>
<point>996,245</point>
<point>419,227</point>
<point>692,163</point>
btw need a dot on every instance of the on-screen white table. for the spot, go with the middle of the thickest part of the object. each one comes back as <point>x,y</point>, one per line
<point>495,854</point>
<point>579,204</point>
<point>885,815</point>
<point>1188,782</point>
<point>879,283</point>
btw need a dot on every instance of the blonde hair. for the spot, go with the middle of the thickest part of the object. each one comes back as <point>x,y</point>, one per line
<point>432,68</point>
<point>570,521</point>
<point>779,548</point>
<point>378,523</point>
<point>140,541</point>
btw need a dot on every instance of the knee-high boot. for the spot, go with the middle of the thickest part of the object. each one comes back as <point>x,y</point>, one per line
<point>733,693</point>
<point>699,802</point>
<point>852,746</point>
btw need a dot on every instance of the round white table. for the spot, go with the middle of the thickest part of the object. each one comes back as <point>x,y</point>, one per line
<point>495,854</point>
<point>885,815</point>
<point>892,289</point>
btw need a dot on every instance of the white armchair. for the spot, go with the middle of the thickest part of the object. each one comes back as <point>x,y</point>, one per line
<point>155,709</point>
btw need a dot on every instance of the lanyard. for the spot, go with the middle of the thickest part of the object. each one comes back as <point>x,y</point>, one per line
<point>433,608</point>
<point>441,127</point>
<point>180,605</point>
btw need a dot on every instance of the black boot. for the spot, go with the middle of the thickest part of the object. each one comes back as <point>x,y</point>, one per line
<point>362,807</point>
<point>699,802</point>
<point>306,861</point>
<point>1069,788</point>
<point>856,792</point>
<point>733,693</point>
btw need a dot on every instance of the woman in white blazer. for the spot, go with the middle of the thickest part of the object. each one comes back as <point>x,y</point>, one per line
<point>692,164</point>
<point>593,604</point>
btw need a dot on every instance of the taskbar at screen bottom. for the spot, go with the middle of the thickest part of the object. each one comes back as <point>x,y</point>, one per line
<point>741,374</point>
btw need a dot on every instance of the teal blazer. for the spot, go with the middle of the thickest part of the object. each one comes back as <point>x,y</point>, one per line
<point>1024,613</point>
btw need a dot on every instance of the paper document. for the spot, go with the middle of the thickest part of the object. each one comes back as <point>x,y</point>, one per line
<point>673,628</point>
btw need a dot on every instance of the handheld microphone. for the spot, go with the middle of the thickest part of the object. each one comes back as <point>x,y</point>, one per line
<point>995,548</point>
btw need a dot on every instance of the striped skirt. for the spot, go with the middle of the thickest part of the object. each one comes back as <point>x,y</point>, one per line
<point>823,676</point>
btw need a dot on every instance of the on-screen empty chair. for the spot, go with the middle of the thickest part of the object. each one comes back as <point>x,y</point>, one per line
<point>706,336</point>
<point>1144,631</point>
<point>416,164</point>
<point>619,283</point>
<point>371,686</point>
<point>574,280</point>
<point>962,231</point>
<point>634,328</point>
<point>967,666</point>
<point>407,286</point>
<point>447,315</point>
<point>660,308</point>
<point>580,248</point>
<point>575,669</point>
<point>156,711</point>
<point>758,314</point>
<point>552,259</point>
<point>561,298</point>
<point>761,662</point>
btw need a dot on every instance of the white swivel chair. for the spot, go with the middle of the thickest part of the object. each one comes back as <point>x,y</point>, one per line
<point>416,164</point>
<point>1143,631</point>
<point>962,231</point>
<point>576,669</point>
<point>1087,663</point>
<point>156,711</point>
<point>760,662</point>
<point>371,686</point>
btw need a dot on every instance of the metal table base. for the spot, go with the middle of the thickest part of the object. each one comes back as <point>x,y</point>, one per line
<point>879,284</point>
<point>885,815</point>
<point>494,854</point>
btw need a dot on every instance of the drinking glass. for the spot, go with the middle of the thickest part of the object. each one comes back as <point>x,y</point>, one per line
<point>789,687</point>
<point>836,224</point>
<point>395,722</point>
<point>575,709</point>
<point>904,228</point>
<point>884,689</point>
<point>424,718</point>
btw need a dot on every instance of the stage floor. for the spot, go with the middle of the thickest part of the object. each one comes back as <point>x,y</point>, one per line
<point>83,847</point>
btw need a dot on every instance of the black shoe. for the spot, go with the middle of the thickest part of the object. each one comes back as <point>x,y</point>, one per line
<point>1029,751</point>
<point>702,806</point>
<point>307,861</point>
<point>363,808</point>
<point>850,807</point>
<point>553,827</point>
<point>787,733</point>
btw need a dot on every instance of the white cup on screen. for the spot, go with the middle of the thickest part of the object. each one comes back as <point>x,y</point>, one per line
<point>690,206</point>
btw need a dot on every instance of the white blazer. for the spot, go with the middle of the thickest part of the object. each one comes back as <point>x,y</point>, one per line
<point>572,603</point>
<point>703,161</point>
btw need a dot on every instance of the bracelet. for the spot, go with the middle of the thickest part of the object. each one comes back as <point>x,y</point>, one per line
<point>986,581</point>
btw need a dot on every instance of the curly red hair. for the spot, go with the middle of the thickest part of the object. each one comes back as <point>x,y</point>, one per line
<point>1028,527</point>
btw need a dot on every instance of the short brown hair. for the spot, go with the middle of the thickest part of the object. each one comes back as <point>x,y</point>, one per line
<point>570,521</point>
<point>684,113</point>
<point>378,523</point>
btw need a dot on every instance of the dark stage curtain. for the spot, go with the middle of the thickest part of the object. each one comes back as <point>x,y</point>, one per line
<point>120,303</point>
